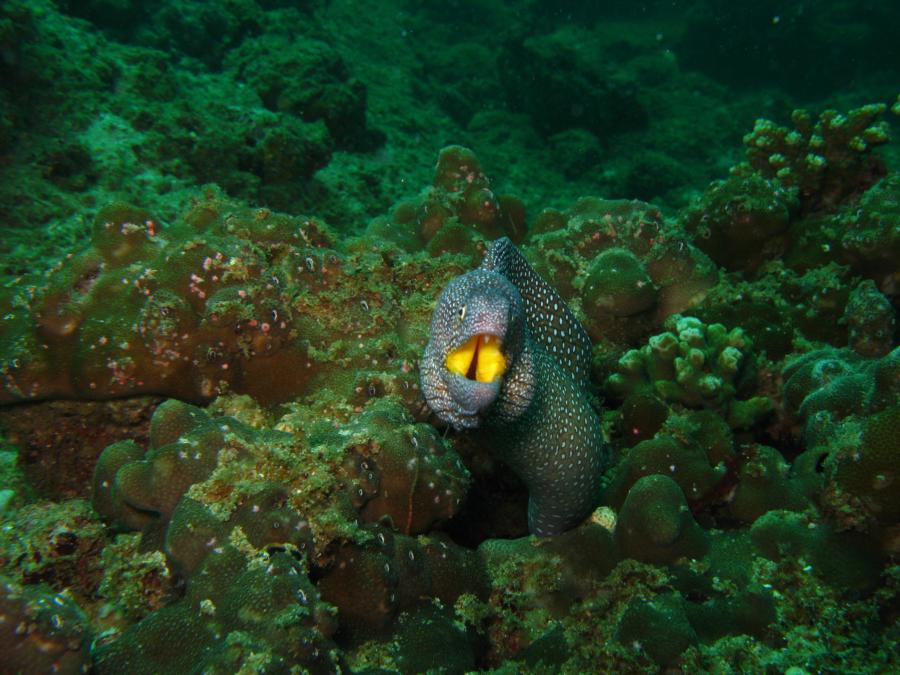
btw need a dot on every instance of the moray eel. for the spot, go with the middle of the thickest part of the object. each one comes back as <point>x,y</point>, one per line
<point>508,359</point>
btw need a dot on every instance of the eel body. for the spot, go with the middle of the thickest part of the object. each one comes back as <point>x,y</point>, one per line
<point>507,358</point>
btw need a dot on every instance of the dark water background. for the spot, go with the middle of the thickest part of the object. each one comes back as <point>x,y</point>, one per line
<point>143,100</point>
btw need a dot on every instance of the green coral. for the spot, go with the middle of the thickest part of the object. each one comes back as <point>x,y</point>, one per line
<point>240,610</point>
<point>618,283</point>
<point>868,234</point>
<point>741,221</point>
<point>205,478</point>
<point>861,477</point>
<point>870,320</point>
<point>849,408</point>
<point>391,576</point>
<point>655,524</point>
<point>765,483</point>
<point>827,161</point>
<point>664,618</point>
<point>225,502</point>
<point>42,631</point>
<point>312,519</point>
<point>460,213</point>
<point>227,300</point>
<point>696,464</point>
<point>695,365</point>
<point>624,265</point>
<point>827,385</point>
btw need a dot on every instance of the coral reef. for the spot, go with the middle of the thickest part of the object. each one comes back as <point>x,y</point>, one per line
<point>228,506</point>
<point>849,409</point>
<point>239,611</point>
<point>827,161</point>
<point>227,300</point>
<point>871,320</point>
<point>459,213</point>
<point>740,222</point>
<point>41,631</point>
<point>869,235</point>
<point>624,266</point>
<point>786,311</point>
<point>859,480</point>
<point>203,478</point>
<point>655,524</point>
<point>835,383</point>
<point>293,504</point>
<point>308,80</point>
<point>393,576</point>
<point>557,66</point>
<point>59,441</point>
<point>694,365</point>
<point>62,552</point>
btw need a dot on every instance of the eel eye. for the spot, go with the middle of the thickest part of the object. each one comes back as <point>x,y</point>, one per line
<point>462,313</point>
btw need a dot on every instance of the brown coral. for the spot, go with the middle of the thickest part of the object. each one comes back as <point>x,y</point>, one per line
<point>228,299</point>
<point>457,213</point>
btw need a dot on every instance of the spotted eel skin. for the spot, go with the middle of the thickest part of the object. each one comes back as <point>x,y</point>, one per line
<point>535,416</point>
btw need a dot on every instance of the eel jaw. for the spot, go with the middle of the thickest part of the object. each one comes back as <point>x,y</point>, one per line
<point>474,375</point>
<point>480,358</point>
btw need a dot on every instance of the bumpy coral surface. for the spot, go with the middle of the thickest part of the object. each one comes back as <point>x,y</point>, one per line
<point>234,507</point>
<point>740,222</point>
<point>869,236</point>
<point>272,493</point>
<point>694,365</point>
<point>622,264</point>
<point>839,382</point>
<point>205,477</point>
<point>239,611</point>
<point>41,631</point>
<point>228,299</point>
<point>827,160</point>
<point>458,213</point>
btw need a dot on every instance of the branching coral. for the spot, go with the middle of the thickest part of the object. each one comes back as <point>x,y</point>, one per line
<point>694,365</point>
<point>827,161</point>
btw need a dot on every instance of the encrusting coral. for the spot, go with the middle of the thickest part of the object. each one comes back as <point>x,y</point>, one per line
<point>655,524</point>
<point>221,498</point>
<point>229,299</point>
<point>741,221</point>
<point>848,406</point>
<point>625,267</point>
<point>42,631</point>
<point>202,478</point>
<point>458,213</point>
<point>238,609</point>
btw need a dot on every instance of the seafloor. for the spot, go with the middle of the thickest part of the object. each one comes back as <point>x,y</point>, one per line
<point>223,230</point>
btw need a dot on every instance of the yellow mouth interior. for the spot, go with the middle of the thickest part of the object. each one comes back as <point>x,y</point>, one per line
<point>479,359</point>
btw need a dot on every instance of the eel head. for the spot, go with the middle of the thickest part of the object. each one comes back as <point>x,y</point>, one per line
<point>477,333</point>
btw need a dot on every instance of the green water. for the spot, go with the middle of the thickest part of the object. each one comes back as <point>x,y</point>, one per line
<point>223,231</point>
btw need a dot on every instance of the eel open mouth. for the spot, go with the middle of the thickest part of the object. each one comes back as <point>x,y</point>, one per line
<point>479,359</point>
